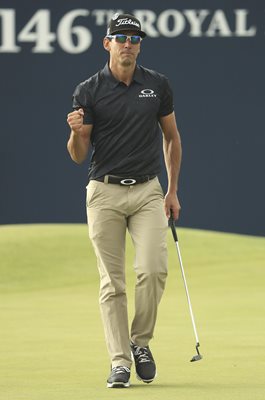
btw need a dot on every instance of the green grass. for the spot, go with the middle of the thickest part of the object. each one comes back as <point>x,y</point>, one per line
<point>51,338</point>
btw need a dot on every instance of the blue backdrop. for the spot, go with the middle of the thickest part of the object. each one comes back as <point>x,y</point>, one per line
<point>215,60</point>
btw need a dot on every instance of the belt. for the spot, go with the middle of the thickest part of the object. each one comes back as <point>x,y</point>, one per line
<point>124,181</point>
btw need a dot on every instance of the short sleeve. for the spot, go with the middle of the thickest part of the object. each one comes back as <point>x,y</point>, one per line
<point>166,105</point>
<point>82,100</point>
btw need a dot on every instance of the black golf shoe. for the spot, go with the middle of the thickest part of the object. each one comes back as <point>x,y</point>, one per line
<point>144,363</point>
<point>119,378</point>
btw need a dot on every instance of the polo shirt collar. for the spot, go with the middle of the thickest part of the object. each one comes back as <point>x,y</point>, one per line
<point>137,76</point>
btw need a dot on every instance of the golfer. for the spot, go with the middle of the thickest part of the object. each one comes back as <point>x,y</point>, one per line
<point>120,112</point>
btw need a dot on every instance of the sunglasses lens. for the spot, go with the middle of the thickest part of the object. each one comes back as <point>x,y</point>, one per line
<point>135,39</point>
<point>121,38</point>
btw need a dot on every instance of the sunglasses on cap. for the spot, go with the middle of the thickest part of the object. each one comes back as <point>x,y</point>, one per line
<point>120,38</point>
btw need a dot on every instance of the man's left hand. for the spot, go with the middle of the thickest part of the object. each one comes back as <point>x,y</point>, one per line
<point>171,202</point>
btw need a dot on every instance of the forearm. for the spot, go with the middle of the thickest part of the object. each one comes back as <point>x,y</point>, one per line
<point>172,155</point>
<point>78,146</point>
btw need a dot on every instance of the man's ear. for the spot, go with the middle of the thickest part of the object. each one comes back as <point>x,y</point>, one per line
<point>106,44</point>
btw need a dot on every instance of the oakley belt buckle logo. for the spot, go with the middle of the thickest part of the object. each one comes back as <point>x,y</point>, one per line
<point>128,182</point>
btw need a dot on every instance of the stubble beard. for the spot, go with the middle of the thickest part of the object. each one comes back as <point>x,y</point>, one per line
<point>126,63</point>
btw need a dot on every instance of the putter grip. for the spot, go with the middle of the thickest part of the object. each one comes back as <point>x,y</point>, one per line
<point>172,226</point>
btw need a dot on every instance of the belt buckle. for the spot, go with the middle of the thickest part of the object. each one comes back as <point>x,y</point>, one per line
<point>128,182</point>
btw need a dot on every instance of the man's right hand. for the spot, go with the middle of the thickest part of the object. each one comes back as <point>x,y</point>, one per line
<point>79,141</point>
<point>75,120</point>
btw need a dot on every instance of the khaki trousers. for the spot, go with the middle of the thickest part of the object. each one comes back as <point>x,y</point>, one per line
<point>111,210</point>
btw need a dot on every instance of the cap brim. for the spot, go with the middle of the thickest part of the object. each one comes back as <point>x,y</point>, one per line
<point>140,33</point>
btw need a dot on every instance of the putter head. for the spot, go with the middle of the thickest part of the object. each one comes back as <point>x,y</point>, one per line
<point>198,356</point>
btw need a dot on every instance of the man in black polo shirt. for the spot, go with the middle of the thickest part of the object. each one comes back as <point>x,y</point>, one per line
<point>120,111</point>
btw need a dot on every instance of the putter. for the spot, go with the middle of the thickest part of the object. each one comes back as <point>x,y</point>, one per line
<point>197,356</point>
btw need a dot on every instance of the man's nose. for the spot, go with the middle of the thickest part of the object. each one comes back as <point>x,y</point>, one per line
<point>128,42</point>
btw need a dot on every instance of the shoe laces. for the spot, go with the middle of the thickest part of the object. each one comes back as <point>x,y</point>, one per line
<point>120,370</point>
<point>142,354</point>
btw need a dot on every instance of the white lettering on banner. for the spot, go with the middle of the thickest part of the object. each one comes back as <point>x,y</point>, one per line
<point>66,31</point>
<point>178,23</point>
<point>77,38</point>
<point>219,24</point>
<point>148,19</point>
<point>42,35</point>
<point>196,18</point>
<point>8,34</point>
<point>104,16</point>
<point>241,24</point>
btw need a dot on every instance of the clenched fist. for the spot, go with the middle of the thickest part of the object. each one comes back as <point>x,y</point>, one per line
<point>75,120</point>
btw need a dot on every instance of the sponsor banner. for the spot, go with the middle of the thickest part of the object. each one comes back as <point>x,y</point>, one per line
<point>74,29</point>
<point>212,53</point>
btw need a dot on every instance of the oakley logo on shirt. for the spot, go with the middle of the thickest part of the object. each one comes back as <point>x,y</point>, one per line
<point>147,93</point>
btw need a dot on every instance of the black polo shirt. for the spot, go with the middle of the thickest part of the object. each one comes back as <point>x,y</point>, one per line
<point>126,134</point>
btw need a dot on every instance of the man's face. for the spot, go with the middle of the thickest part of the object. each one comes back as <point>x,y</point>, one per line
<point>124,54</point>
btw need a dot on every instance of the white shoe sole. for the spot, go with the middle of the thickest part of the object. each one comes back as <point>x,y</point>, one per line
<point>118,385</point>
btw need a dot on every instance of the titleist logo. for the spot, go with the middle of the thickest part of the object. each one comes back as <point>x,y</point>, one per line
<point>126,21</point>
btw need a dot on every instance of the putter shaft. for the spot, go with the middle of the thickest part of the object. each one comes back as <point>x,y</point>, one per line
<point>187,293</point>
<point>198,356</point>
